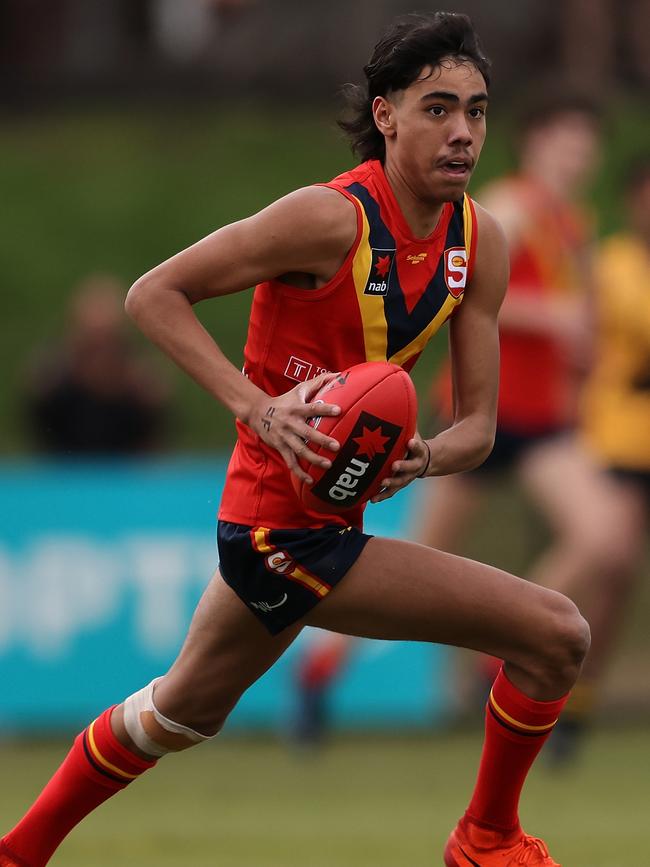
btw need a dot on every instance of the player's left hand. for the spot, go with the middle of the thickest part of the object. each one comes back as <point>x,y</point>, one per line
<point>413,466</point>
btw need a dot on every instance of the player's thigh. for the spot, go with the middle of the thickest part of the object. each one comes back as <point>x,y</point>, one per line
<point>402,590</point>
<point>226,650</point>
<point>582,502</point>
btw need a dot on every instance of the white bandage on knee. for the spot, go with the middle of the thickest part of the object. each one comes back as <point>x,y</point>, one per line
<point>151,731</point>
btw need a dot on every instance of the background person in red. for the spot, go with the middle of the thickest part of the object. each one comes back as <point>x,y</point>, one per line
<point>419,129</point>
<point>546,333</point>
<point>615,435</point>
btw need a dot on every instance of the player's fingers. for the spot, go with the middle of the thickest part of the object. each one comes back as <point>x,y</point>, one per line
<point>318,407</point>
<point>310,387</point>
<point>418,457</point>
<point>416,447</point>
<point>384,493</point>
<point>318,438</point>
<point>291,461</point>
<point>391,486</point>
<point>307,390</point>
<point>407,466</point>
<point>303,452</point>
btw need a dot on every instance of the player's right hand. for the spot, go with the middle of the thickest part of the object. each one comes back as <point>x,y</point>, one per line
<point>281,422</point>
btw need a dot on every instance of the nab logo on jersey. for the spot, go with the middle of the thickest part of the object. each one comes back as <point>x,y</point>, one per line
<point>380,268</point>
<point>456,270</point>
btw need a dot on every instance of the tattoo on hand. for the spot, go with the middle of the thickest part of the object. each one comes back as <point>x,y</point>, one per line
<point>266,421</point>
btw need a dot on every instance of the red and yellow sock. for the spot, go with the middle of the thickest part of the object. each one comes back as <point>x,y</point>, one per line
<point>96,768</point>
<point>516,728</point>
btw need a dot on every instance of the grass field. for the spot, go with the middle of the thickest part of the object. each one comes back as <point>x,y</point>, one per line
<point>379,802</point>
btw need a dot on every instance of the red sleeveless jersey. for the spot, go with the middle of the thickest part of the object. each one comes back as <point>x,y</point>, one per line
<point>392,293</point>
<point>538,384</point>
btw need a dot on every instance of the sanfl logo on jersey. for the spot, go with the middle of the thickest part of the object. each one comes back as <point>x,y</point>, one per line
<point>456,270</point>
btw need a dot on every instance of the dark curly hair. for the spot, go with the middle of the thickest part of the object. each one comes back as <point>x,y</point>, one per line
<point>408,45</point>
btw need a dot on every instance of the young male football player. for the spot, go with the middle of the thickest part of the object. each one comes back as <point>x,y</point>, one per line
<point>366,267</point>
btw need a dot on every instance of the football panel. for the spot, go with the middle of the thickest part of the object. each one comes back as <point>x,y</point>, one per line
<point>373,433</point>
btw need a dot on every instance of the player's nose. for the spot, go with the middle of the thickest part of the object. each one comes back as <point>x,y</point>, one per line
<point>460,132</point>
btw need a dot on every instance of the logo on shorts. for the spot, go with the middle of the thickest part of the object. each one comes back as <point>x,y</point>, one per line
<point>456,270</point>
<point>359,462</point>
<point>267,607</point>
<point>380,268</point>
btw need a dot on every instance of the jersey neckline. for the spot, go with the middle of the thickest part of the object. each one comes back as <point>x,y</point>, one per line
<point>397,214</point>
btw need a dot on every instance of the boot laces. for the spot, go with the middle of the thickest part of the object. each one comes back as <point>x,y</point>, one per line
<point>531,850</point>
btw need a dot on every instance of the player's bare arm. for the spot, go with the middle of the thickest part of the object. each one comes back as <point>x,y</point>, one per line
<point>474,347</point>
<point>305,236</point>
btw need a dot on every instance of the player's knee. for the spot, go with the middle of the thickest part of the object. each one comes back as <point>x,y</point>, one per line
<point>152,732</point>
<point>567,642</point>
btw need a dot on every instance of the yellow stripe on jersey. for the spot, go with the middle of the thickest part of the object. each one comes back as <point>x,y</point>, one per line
<point>375,327</point>
<point>418,344</point>
<point>261,540</point>
<point>515,722</point>
<point>100,758</point>
<point>310,581</point>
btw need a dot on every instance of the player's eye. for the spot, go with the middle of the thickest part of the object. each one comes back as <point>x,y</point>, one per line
<point>437,110</point>
<point>476,113</point>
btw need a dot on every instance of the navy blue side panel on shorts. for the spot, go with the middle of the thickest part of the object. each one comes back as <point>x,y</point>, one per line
<point>640,479</point>
<point>282,574</point>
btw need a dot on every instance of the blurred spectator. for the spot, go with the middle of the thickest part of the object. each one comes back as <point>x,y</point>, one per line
<point>602,40</point>
<point>63,46</point>
<point>186,31</point>
<point>93,393</point>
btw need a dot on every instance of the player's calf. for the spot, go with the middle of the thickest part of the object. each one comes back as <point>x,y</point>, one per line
<point>152,732</point>
<point>97,767</point>
<point>111,753</point>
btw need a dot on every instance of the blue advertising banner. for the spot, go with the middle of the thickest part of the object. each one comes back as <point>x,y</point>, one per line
<point>101,566</point>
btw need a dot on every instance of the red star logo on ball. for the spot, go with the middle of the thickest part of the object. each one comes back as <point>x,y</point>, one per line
<point>371,442</point>
<point>382,266</point>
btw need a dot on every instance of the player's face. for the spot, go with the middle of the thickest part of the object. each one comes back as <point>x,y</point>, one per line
<point>437,129</point>
<point>566,150</point>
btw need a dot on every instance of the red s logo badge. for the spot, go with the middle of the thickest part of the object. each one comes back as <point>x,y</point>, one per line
<point>456,270</point>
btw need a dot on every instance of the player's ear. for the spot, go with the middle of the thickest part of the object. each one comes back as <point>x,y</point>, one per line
<point>384,114</point>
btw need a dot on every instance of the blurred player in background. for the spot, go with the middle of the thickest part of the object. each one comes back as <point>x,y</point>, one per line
<point>615,429</point>
<point>545,332</point>
<point>401,216</point>
<point>93,392</point>
<point>546,338</point>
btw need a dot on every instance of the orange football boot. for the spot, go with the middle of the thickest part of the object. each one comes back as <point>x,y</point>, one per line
<point>472,846</point>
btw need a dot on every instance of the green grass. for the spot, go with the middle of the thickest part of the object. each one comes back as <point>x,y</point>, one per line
<point>362,803</point>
